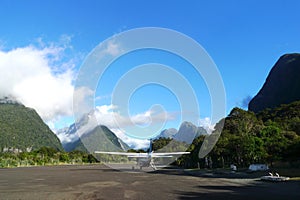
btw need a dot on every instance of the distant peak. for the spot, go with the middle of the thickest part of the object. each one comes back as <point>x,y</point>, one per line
<point>186,123</point>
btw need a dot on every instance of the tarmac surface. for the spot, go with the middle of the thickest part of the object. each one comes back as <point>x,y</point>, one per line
<point>101,182</point>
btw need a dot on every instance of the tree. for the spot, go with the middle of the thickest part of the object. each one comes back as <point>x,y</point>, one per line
<point>274,142</point>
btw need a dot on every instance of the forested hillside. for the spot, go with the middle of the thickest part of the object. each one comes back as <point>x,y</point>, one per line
<point>22,129</point>
<point>99,138</point>
<point>267,137</point>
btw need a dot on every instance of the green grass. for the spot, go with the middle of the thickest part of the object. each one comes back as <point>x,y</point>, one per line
<point>295,179</point>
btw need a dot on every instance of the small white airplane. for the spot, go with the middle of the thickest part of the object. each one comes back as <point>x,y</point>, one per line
<point>145,159</point>
<point>274,178</point>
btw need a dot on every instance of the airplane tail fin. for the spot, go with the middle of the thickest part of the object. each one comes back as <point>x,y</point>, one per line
<point>151,146</point>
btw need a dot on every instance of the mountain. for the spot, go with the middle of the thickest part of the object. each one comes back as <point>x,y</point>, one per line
<point>168,133</point>
<point>282,85</point>
<point>98,138</point>
<point>188,131</point>
<point>22,129</point>
<point>103,139</point>
<point>69,136</point>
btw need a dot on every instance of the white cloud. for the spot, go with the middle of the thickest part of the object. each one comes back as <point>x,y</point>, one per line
<point>107,115</point>
<point>113,48</point>
<point>132,142</point>
<point>36,77</point>
<point>99,98</point>
<point>82,101</point>
<point>206,124</point>
<point>108,49</point>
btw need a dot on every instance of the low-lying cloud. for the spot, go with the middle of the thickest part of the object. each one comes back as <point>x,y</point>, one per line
<point>34,77</point>
<point>245,102</point>
<point>108,115</point>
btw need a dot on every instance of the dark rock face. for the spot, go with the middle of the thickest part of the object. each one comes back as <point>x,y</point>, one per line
<point>188,132</point>
<point>168,133</point>
<point>282,85</point>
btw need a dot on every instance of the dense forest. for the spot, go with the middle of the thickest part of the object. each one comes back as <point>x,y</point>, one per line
<point>22,129</point>
<point>44,156</point>
<point>270,136</point>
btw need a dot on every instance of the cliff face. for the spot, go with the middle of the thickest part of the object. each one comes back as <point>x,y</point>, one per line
<point>282,85</point>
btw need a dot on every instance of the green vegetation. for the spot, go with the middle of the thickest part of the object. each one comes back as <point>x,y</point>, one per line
<point>100,138</point>
<point>22,129</point>
<point>271,136</point>
<point>44,156</point>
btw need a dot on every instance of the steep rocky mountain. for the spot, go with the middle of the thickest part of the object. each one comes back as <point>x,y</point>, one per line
<point>67,136</point>
<point>98,138</point>
<point>282,85</point>
<point>22,129</point>
<point>168,133</point>
<point>102,138</point>
<point>188,131</point>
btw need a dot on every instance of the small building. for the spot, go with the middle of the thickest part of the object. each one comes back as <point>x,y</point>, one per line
<point>258,167</point>
<point>233,167</point>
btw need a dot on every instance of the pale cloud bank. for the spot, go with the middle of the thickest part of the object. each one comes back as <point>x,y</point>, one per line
<point>109,116</point>
<point>34,77</point>
<point>206,124</point>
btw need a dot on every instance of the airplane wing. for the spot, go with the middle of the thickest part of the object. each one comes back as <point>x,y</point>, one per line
<point>143,155</point>
<point>128,154</point>
<point>168,154</point>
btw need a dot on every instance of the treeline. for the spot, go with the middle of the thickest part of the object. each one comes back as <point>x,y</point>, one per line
<point>271,136</point>
<point>44,156</point>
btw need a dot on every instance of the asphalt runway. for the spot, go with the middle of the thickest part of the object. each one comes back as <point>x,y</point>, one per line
<point>101,182</point>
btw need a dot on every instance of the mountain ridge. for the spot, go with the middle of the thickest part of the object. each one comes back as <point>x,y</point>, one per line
<point>97,138</point>
<point>186,133</point>
<point>282,85</point>
<point>22,129</point>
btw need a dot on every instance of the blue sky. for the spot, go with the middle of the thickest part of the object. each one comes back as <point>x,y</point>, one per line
<point>244,38</point>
